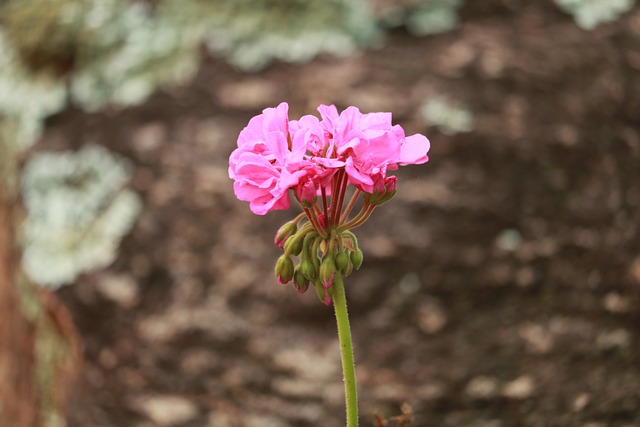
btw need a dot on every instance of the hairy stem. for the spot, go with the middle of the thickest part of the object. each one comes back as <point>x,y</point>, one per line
<point>346,350</point>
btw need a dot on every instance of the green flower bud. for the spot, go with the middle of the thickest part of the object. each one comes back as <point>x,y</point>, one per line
<point>307,268</point>
<point>327,271</point>
<point>287,230</point>
<point>284,269</point>
<point>384,190</point>
<point>324,294</point>
<point>293,244</point>
<point>314,252</point>
<point>349,268</point>
<point>300,282</point>
<point>386,197</point>
<point>356,258</point>
<point>342,260</point>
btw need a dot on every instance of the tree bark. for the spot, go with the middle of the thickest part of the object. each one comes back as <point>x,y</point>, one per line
<point>18,388</point>
<point>39,348</point>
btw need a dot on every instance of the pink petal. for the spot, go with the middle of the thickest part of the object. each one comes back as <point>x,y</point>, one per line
<point>361,180</point>
<point>414,150</point>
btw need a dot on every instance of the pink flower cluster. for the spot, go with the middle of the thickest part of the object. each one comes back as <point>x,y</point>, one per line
<point>276,154</point>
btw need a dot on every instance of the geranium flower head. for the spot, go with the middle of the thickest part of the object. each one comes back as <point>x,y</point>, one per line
<point>318,159</point>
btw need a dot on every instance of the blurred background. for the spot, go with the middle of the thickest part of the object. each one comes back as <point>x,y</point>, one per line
<point>500,287</point>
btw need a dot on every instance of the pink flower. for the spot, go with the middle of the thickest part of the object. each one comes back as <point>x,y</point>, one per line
<point>263,184</point>
<point>308,133</point>
<point>264,166</point>
<point>369,145</point>
<point>275,155</point>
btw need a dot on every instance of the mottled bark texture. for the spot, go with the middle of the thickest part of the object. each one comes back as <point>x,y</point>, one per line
<point>18,395</point>
<point>39,350</point>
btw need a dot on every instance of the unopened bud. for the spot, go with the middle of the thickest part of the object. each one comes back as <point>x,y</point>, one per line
<point>293,244</point>
<point>327,298</point>
<point>390,184</point>
<point>284,232</point>
<point>307,268</point>
<point>384,189</point>
<point>300,282</point>
<point>342,260</point>
<point>349,268</point>
<point>306,194</point>
<point>327,271</point>
<point>323,293</point>
<point>356,258</point>
<point>284,269</point>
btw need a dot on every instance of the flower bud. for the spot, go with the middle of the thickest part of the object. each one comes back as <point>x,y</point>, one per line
<point>284,232</point>
<point>327,298</point>
<point>300,282</point>
<point>284,269</point>
<point>356,258</point>
<point>307,268</point>
<point>342,260</point>
<point>349,268</point>
<point>390,184</point>
<point>306,193</point>
<point>323,294</point>
<point>293,244</point>
<point>327,271</point>
<point>313,255</point>
<point>383,190</point>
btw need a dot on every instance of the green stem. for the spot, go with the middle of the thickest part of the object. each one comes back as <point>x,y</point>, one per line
<point>299,218</point>
<point>359,219</point>
<point>346,350</point>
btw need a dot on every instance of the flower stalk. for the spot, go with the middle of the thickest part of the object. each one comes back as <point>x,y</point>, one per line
<point>318,160</point>
<point>346,351</point>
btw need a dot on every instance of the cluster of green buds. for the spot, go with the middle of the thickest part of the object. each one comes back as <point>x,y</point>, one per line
<point>319,258</point>
<point>321,248</point>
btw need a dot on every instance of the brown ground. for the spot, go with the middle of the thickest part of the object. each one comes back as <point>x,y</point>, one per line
<point>470,325</point>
